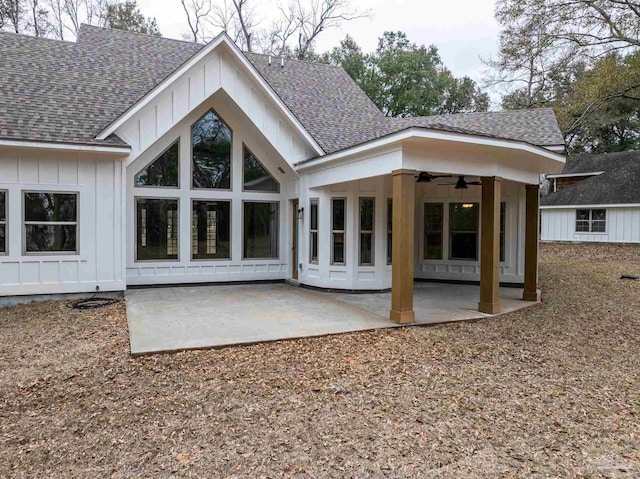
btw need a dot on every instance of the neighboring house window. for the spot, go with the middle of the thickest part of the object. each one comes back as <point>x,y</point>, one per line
<point>367,214</point>
<point>313,232</point>
<point>3,222</point>
<point>591,221</point>
<point>50,222</point>
<point>260,230</point>
<point>255,175</point>
<point>389,230</point>
<point>211,150</point>
<point>463,231</point>
<point>157,226</point>
<point>433,220</point>
<point>338,206</point>
<point>211,229</point>
<point>163,171</point>
<point>503,212</point>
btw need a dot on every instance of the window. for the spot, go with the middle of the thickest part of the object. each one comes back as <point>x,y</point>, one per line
<point>260,230</point>
<point>211,229</point>
<point>163,171</point>
<point>313,232</point>
<point>255,175</point>
<point>211,150</point>
<point>338,206</point>
<point>591,221</point>
<point>389,230</point>
<point>367,214</point>
<point>463,231</point>
<point>3,222</point>
<point>157,226</point>
<point>433,214</point>
<point>503,211</point>
<point>50,222</point>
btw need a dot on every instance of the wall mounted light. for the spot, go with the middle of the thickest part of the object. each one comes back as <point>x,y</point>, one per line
<point>301,213</point>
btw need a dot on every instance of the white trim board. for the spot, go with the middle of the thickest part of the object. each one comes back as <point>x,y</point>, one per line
<point>424,132</point>
<point>571,175</point>
<point>43,145</point>
<point>588,207</point>
<point>222,38</point>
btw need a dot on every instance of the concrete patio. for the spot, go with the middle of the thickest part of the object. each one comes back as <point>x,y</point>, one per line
<point>191,317</point>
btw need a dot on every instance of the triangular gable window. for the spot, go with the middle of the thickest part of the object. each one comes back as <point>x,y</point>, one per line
<point>163,171</point>
<point>256,177</point>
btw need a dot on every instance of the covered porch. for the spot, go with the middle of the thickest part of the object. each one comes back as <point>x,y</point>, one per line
<point>460,208</point>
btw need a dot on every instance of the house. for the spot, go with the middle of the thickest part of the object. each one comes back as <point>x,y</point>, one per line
<point>128,159</point>
<point>595,199</point>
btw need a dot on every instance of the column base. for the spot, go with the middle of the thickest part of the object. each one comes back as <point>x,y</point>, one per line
<point>530,296</point>
<point>402,317</point>
<point>489,308</point>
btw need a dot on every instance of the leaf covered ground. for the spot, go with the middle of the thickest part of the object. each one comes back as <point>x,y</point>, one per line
<point>551,391</point>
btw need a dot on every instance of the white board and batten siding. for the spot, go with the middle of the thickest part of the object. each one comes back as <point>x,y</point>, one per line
<point>623,225</point>
<point>219,70</point>
<point>99,261</point>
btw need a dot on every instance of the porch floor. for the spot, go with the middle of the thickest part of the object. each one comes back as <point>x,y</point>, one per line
<point>190,317</point>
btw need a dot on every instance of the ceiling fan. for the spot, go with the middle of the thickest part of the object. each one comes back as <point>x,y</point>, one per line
<point>462,184</point>
<point>424,177</point>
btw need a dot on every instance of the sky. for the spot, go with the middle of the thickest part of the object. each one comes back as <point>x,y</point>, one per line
<point>463,30</point>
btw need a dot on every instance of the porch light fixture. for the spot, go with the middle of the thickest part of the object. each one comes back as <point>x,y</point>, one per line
<point>467,205</point>
<point>300,213</point>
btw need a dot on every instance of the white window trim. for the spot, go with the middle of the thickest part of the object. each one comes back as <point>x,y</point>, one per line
<point>75,223</point>
<point>135,229</point>
<point>5,222</point>
<point>343,231</point>
<point>590,221</point>
<point>372,232</point>
<point>477,231</point>
<point>245,190</point>
<point>231,143</point>
<point>314,202</point>
<point>213,200</point>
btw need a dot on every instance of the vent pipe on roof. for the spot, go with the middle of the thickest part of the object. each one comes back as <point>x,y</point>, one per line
<point>282,61</point>
<point>269,60</point>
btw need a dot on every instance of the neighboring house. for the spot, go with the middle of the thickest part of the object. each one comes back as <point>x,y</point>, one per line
<point>128,159</point>
<point>596,198</point>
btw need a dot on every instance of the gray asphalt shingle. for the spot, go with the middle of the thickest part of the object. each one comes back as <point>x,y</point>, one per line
<point>68,92</point>
<point>619,184</point>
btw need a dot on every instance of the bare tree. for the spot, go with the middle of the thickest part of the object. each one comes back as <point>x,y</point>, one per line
<point>38,21</point>
<point>78,12</point>
<point>198,12</point>
<point>56,18</point>
<point>12,13</point>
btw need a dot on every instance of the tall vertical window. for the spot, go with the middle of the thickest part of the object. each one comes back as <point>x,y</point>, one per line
<point>211,229</point>
<point>463,231</point>
<point>389,230</point>
<point>313,232</point>
<point>591,221</point>
<point>50,222</point>
<point>503,214</point>
<point>3,222</point>
<point>211,150</point>
<point>255,175</point>
<point>157,226</point>
<point>338,207</point>
<point>260,230</point>
<point>163,171</point>
<point>433,216</point>
<point>367,214</point>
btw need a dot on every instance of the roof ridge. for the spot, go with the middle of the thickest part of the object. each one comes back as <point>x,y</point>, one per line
<point>36,38</point>
<point>297,60</point>
<point>129,32</point>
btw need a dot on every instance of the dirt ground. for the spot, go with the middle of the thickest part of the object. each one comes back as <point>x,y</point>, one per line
<point>551,391</point>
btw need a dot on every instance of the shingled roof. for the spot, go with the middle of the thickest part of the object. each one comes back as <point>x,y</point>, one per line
<point>618,184</point>
<point>69,92</point>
